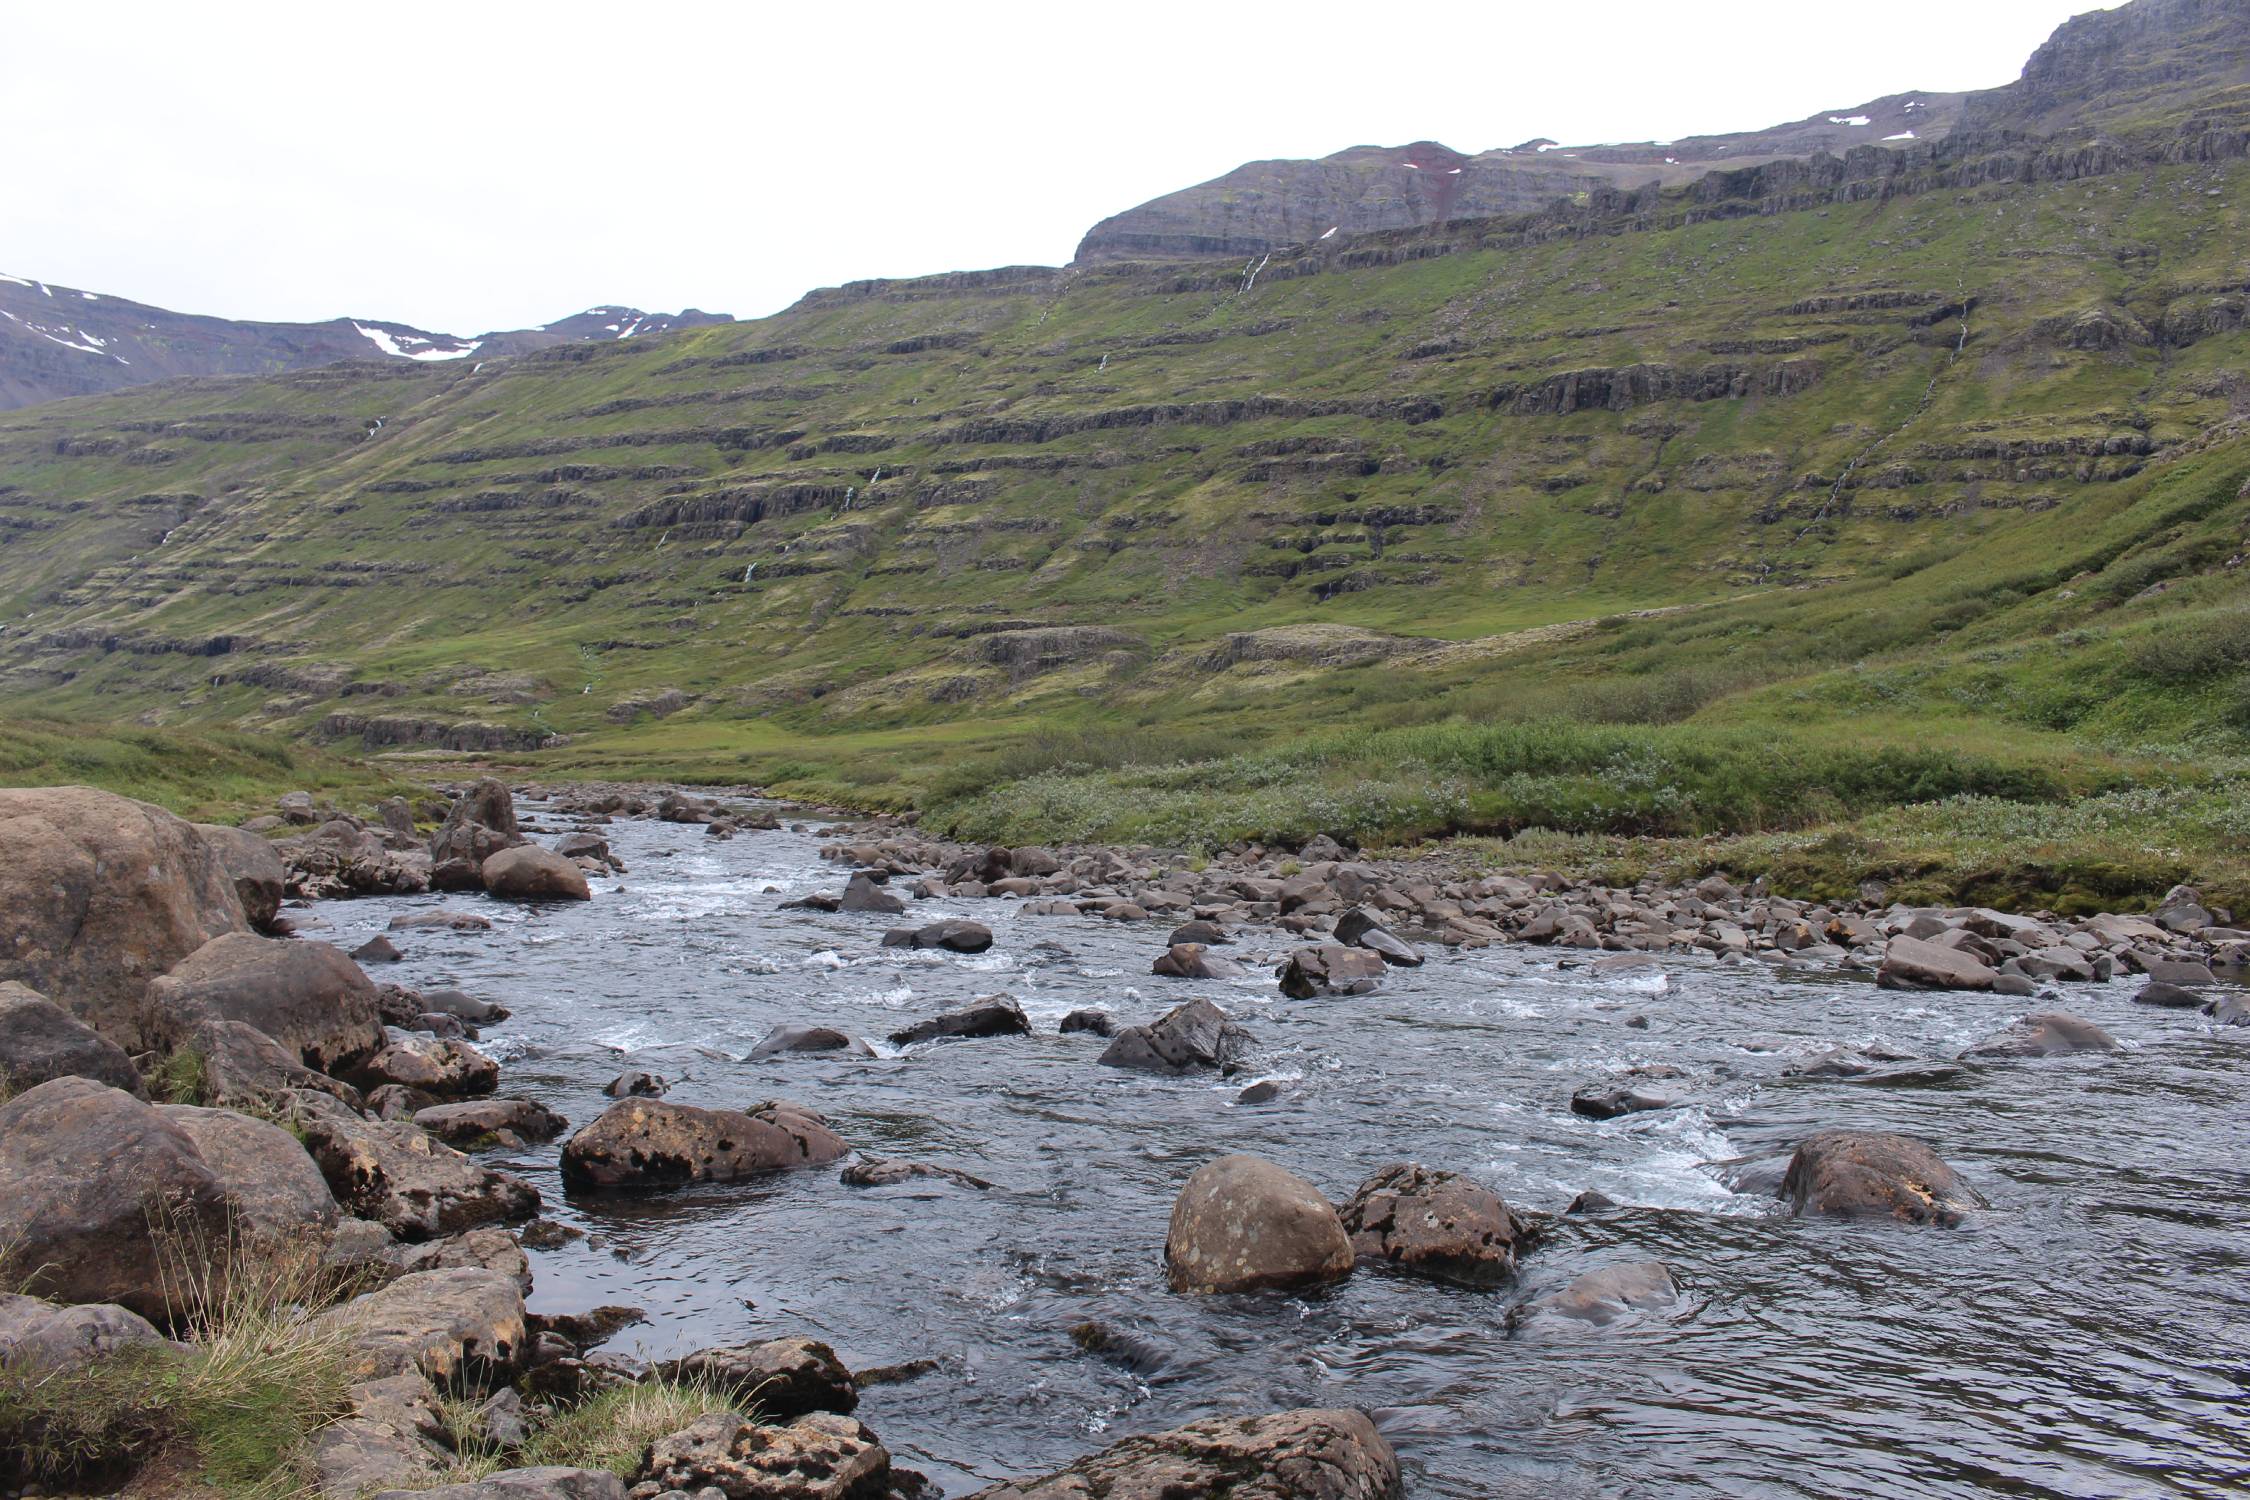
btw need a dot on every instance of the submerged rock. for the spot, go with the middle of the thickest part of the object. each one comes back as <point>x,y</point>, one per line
<point>2045,1035</point>
<point>1854,1174</point>
<point>1099,1022</point>
<point>1244,1224</point>
<point>783,1040</point>
<point>1607,1294</point>
<point>1440,1224</point>
<point>652,1143</point>
<point>1289,1455</point>
<point>878,1172</point>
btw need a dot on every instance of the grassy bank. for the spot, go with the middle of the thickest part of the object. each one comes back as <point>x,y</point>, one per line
<point>200,773</point>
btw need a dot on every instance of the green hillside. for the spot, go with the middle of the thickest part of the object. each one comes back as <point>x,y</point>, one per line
<point>1764,505</point>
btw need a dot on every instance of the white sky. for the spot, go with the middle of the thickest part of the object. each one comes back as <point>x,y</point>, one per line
<point>472,165</point>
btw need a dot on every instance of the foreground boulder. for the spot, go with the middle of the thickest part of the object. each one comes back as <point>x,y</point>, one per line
<point>1243,1224</point>
<point>655,1143</point>
<point>818,1457</point>
<point>1852,1174</point>
<point>1440,1224</point>
<point>1290,1455</point>
<point>307,996</point>
<point>1195,1035</point>
<point>254,865</point>
<point>39,1337</point>
<point>99,894</point>
<point>278,1192</point>
<point>39,1040</point>
<point>547,1482</point>
<point>391,1171</point>
<point>105,1199</point>
<point>785,1377</point>
<point>861,893</point>
<point>2046,1035</point>
<point>530,873</point>
<point>990,1015</point>
<point>1330,969</point>
<point>455,1327</point>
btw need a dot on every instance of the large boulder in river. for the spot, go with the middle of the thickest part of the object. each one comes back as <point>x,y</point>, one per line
<point>40,1040</point>
<point>1440,1224</point>
<point>2046,1035</point>
<point>1911,963</point>
<point>1854,1174</point>
<point>481,823</point>
<point>1194,961</point>
<point>1361,928</point>
<point>988,1015</point>
<point>106,1198</point>
<point>861,893</point>
<point>530,873</point>
<point>1243,1224</point>
<point>1288,1455</point>
<point>656,1143</point>
<point>307,996</point>
<point>1330,969</point>
<point>1195,1035</point>
<point>254,865</point>
<point>99,894</point>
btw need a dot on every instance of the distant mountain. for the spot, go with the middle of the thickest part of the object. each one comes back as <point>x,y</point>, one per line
<point>2154,64</point>
<point>58,341</point>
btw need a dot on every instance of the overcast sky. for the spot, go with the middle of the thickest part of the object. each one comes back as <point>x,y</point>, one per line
<point>469,166</point>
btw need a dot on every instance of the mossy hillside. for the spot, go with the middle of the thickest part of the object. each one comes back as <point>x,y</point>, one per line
<point>542,543</point>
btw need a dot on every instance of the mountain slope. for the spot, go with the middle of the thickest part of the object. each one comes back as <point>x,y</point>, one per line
<point>2153,64</point>
<point>58,341</point>
<point>1940,449</point>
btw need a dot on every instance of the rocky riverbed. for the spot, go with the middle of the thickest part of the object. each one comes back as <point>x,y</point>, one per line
<point>1637,1282</point>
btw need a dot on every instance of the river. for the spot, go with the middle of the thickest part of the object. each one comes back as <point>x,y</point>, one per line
<point>2088,1335</point>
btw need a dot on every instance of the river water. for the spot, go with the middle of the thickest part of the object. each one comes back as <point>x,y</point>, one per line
<point>2089,1335</point>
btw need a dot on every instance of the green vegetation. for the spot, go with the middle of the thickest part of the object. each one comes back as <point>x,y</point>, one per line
<point>259,1374</point>
<point>197,772</point>
<point>1740,539</point>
